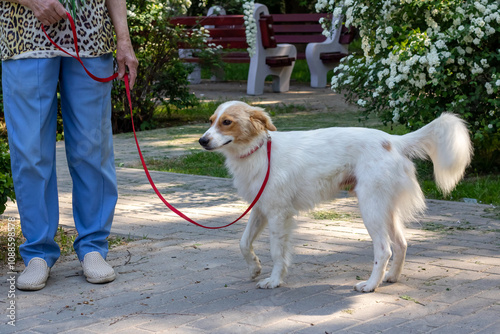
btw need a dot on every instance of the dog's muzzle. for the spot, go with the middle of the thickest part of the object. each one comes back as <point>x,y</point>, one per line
<point>204,141</point>
<point>209,145</point>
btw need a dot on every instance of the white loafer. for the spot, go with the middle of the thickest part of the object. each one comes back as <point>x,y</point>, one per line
<point>96,269</point>
<point>34,276</point>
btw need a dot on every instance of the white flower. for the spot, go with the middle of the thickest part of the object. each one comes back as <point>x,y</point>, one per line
<point>490,126</point>
<point>492,112</point>
<point>250,26</point>
<point>497,83</point>
<point>479,7</point>
<point>388,30</point>
<point>489,88</point>
<point>479,33</point>
<point>440,44</point>
<point>361,102</point>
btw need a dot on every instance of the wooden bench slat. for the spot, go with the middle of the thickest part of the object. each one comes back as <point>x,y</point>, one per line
<point>267,31</point>
<point>232,60</point>
<point>225,32</point>
<point>299,39</point>
<point>230,43</point>
<point>279,61</point>
<point>313,17</point>
<point>331,57</point>
<point>240,57</point>
<point>296,28</point>
<point>226,20</point>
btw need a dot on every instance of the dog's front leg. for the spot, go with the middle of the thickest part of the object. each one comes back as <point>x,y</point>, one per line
<point>255,225</point>
<point>280,227</point>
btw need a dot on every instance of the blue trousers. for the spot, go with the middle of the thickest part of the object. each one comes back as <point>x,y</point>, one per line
<point>30,105</point>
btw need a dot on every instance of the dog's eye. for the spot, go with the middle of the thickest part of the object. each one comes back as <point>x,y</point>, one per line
<point>226,122</point>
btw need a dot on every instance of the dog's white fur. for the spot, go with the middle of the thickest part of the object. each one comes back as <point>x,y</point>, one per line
<point>308,167</point>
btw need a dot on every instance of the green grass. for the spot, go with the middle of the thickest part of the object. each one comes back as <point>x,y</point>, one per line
<point>196,114</point>
<point>331,215</point>
<point>485,189</point>
<point>442,228</point>
<point>196,163</point>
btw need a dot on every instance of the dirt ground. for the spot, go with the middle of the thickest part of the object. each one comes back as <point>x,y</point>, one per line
<point>315,99</point>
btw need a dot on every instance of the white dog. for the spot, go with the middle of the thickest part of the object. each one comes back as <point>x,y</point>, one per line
<point>308,167</point>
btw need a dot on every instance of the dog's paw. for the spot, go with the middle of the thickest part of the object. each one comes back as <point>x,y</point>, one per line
<point>390,278</point>
<point>268,283</point>
<point>255,271</point>
<point>365,287</point>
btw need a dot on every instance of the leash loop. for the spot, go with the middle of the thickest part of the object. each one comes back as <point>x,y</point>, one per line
<point>143,162</point>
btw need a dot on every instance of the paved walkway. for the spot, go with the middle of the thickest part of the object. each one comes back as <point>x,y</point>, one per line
<point>178,278</point>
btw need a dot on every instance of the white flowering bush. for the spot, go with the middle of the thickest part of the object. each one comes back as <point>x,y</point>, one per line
<point>423,57</point>
<point>250,25</point>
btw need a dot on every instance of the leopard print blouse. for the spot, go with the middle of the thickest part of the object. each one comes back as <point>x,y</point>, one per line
<point>21,35</point>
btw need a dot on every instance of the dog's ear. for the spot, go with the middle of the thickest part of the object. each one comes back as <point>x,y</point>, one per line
<point>260,116</point>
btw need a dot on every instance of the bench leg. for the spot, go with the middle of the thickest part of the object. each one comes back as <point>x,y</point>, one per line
<point>256,79</point>
<point>194,77</point>
<point>318,80</point>
<point>281,81</point>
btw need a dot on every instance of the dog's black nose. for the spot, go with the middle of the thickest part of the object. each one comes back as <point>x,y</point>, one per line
<point>204,141</point>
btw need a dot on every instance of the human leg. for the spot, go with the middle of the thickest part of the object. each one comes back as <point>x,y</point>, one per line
<point>86,109</point>
<point>30,106</point>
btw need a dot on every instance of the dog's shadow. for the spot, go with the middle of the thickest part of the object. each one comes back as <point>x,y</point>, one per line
<point>306,300</point>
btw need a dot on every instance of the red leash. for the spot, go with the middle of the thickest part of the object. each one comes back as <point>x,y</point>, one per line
<point>127,89</point>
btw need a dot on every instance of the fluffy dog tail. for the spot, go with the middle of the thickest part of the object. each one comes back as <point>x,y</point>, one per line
<point>447,143</point>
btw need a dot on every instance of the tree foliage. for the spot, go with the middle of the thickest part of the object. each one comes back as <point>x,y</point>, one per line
<point>162,77</point>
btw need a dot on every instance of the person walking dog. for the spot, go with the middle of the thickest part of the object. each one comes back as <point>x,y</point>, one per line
<point>32,72</point>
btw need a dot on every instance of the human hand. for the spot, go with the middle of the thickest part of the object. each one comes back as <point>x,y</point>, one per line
<point>125,57</point>
<point>47,11</point>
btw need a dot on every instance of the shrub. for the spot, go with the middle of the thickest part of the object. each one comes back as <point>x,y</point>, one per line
<point>421,58</point>
<point>6,182</point>
<point>162,77</point>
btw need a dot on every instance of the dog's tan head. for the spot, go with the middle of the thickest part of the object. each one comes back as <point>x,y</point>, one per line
<point>236,123</point>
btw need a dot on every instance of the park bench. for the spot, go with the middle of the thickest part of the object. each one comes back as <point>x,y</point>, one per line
<point>276,52</point>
